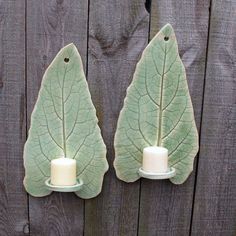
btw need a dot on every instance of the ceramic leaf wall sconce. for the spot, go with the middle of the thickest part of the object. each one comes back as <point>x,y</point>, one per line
<point>64,151</point>
<point>156,135</point>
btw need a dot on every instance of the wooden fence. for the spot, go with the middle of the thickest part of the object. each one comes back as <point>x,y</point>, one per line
<point>110,36</point>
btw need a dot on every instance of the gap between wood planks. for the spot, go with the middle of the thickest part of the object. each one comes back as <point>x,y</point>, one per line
<point>201,120</point>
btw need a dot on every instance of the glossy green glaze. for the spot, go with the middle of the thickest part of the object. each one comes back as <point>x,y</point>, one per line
<point>64,123</point>
<point>157,112</point>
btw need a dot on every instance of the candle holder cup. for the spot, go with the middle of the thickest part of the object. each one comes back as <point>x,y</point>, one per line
<point>155,175</point>
<point>70,188</point>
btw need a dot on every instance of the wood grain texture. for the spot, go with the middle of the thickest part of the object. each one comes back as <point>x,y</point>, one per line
<point>165,209</point>
<point>13,198</point>
<point>50,26</point>
<point>215,200</point>
<point>118,32</point>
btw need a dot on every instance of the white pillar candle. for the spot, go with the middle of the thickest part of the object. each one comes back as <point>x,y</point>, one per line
<point>63,172</point>
<point>155,159</point>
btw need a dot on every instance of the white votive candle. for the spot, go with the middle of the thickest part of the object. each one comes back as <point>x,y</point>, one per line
<point>155,159</point>
<point>63,172</point>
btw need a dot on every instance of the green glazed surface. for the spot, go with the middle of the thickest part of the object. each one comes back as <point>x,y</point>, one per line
<point>157,111</point>
<point>64,123</point>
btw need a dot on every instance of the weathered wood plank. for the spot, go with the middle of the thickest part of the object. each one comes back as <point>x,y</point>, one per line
<point>50,26</point>
<point>13,198</point>
<point>165,209</point>
<point>118,32</point>
<point>215,200</point>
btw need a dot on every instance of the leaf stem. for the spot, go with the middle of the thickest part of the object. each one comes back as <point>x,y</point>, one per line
<point>161,102</point>
<point>63,114</point>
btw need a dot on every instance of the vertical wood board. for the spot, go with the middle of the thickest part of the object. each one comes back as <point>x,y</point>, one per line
<point>165,209</point>
<point>13,198</point>
<point>118,33</point>
<point>50,26</point>
<point>215,200</point>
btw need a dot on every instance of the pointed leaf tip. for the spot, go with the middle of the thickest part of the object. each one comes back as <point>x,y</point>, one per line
<point>169,26</point>
<point>72,45</point>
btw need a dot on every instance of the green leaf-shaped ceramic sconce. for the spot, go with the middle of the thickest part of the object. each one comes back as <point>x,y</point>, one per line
<point>64,151</point>
<point>156,134</point>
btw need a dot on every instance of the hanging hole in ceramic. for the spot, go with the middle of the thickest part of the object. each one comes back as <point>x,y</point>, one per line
<point>66,59</point>
<point>166,38</point>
